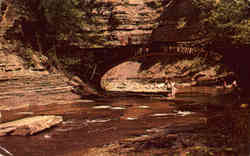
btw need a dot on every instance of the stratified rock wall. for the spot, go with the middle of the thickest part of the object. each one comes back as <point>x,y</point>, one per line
<point>27,82</point>
<point>134,19</point>
<point>125,22</point>
<point>140,21</point>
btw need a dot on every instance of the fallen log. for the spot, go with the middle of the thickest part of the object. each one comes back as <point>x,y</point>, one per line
<point>29,126</point>
<point>164,137</point>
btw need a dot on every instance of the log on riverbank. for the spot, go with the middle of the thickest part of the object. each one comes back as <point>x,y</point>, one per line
<point>156,140</point>
<point>29,126</point>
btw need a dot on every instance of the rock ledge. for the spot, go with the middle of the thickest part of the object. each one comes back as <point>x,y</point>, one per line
<point>29,126</point>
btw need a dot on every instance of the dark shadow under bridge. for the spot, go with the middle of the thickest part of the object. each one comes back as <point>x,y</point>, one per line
<point>95,62</point>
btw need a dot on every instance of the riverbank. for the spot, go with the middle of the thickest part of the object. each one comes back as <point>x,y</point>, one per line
<point>186,72</point>
<point>141,125</point>
<point>191,123</point>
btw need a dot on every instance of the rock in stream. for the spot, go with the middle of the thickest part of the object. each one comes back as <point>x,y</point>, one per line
<point>29,126</point>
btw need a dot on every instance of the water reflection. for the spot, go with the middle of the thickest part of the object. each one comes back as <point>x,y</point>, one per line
<point>226,123</point>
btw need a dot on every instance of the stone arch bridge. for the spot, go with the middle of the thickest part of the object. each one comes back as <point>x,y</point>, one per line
<point>95,62</point>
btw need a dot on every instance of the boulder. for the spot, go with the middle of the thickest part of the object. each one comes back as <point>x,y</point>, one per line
<point>29,126</point>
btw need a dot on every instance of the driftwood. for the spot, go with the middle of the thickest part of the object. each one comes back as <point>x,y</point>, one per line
<point>164,137</point>
<point>81,87</point>
<point>29,126</point>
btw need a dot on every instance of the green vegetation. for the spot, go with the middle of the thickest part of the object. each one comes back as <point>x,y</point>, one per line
<point>225,22</point>
<point>75,22</point>
<point>154,4</point>
<point>56,27</point>
<point>81,22</point>
<point>50,23</point>
<point>27,56</point>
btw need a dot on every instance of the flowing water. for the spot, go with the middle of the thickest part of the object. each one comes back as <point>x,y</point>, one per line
<point>100,122</point>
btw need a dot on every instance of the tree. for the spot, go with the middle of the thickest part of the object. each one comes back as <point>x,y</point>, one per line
<point>75,22</point>
<point>225,21</point>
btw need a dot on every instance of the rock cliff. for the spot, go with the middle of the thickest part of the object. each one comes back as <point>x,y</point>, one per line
<point>140,21</point>
<point>24,87</point>
<point>131,20</point>
<point>125,22</point>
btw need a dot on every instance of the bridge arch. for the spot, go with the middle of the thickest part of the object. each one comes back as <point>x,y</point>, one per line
<point>104,59</point>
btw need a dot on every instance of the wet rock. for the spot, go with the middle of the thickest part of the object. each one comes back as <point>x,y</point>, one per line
<point>25,113</point>
<point>130,118</point>
<point>101,107</point>
<point>162,114</point>
<point>154,130</point>
<point>29,126</point>
<point>117,108</point>
<point>177,113</point>
<point>183,113</point>
<point>46,136</point>
<point>187,84</point>
<point>84,100</point>
<point>98,121</point>
<point>143,107</point>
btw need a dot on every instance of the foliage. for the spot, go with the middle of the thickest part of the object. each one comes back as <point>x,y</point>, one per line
<point>154,4</point>
<point>27,56</point>
<point>74,21</point>
<point>53,27</point>
<point>225,21</point>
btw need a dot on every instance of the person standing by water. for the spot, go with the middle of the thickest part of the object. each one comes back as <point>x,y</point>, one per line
<point>170,85</point>
<point>173,89</point>
<point>167,83</point>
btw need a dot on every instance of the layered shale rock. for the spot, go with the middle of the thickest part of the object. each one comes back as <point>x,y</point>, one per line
<point>29,126</point>
<point>132,20</point>
<point>23,86</point>
<point>141,21</point>
<point>123,22</point>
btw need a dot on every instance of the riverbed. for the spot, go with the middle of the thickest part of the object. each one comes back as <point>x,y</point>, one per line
<point>198,121</point>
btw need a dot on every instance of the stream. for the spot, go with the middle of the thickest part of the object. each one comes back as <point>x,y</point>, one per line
<point>221,119</point>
